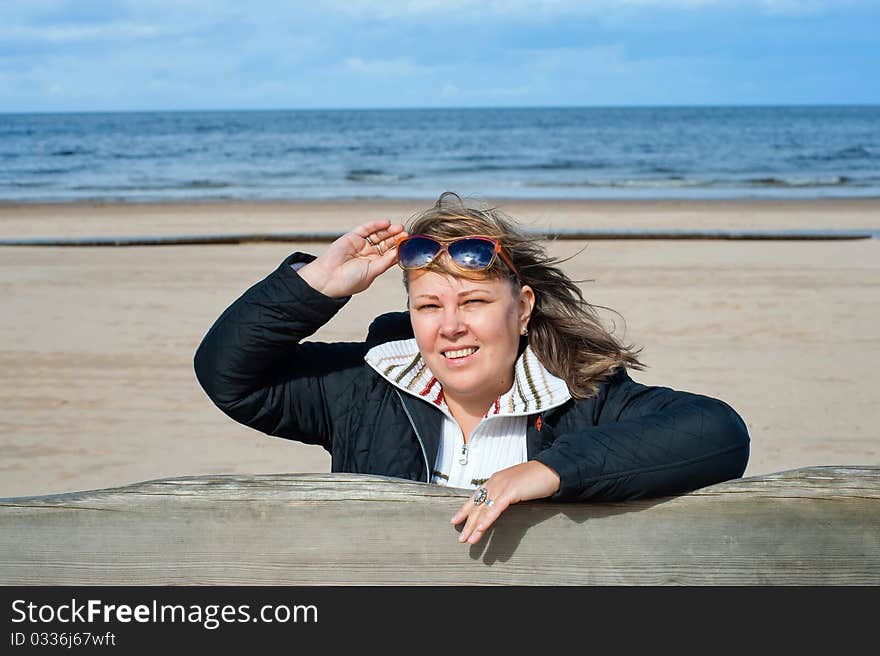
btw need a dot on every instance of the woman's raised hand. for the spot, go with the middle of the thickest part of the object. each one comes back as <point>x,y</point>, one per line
<point>355,260</point>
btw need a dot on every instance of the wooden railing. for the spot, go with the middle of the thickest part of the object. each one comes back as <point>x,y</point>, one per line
<point>819,525</point>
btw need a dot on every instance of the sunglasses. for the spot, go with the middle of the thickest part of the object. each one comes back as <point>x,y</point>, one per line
<point>473,253</point>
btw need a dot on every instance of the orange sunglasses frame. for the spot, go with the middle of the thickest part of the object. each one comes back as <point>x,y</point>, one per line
<point>444,247</point>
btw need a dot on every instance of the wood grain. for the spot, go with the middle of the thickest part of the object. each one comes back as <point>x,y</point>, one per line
<point>813,526</point>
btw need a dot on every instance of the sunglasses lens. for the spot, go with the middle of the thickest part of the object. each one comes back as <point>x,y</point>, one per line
<point>473,254</point>
<point>417,252</point>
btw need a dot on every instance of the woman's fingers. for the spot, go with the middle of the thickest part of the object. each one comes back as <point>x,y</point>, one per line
<point>523,482</point>
<point>388,257</point>
<point>378,232</point>
<point>372,227</point>
<point>373,241</point>
<point>478,518</point>
<point>468,513</point>
<point>388,239</point>
<point>463,512</point>
<point>479,522</point>
<point>382,241</point>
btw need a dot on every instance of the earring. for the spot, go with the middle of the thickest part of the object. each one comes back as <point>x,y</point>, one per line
<point>525,331</point>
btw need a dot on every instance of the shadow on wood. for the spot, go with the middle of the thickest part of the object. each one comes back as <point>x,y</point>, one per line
<point>810,526</point>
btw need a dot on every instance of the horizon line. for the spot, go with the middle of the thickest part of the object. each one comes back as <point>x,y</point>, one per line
<point>440,108</point>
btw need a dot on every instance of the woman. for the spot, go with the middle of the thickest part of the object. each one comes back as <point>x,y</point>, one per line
<point>500,377</point>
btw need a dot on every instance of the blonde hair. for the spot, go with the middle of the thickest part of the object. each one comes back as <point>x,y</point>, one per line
<point>565,331</point>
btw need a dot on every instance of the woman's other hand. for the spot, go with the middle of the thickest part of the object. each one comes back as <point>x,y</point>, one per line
<point>523,482</point>
<point>355,260</point>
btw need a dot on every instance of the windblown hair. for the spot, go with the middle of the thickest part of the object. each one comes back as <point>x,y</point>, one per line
<point>565,331</point>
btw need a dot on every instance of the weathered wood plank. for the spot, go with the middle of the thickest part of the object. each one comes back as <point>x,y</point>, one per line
<point>819,525</point>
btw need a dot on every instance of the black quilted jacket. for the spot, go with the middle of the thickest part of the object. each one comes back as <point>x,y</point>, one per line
<point>628,441</point>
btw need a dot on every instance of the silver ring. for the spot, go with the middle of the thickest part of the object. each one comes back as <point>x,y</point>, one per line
<point>489,502</point>
<point>480,496</point>
<point>370,241</point>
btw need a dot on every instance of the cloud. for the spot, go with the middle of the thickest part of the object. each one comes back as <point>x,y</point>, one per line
<point>489,9</point>
<point>71,34</point>
<point>396,67</point>
<point>798,7</point>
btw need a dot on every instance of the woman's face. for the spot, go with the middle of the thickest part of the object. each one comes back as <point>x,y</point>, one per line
<point>468,332</point>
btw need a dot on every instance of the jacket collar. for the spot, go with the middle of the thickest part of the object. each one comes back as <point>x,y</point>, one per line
<point>534,388</point>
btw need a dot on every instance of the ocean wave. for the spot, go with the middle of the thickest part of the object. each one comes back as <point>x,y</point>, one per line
<point>13,132</point>
<point>71,152</point>
<point>672,172</point>
<point>554,165</point>
<point>308,150</point>
<point>226,127</point>
<point>44,167</point>
<point>54,170</point>
<point>842,155</point>
<point>363,173</point>
<point>655,183</point>
<point>154,186</point>
<point>28,184</point>
<point>856,152</point>
<point>480,157</point>
<point>374,150</point>
<point>164,155</point>
<point>832,181</point>
<point>375,175</point>
<point>720,183</point>
<point>204,184</point>
<point>285,174</point>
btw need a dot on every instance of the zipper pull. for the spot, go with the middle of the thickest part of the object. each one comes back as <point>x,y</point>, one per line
<point>464,454</point>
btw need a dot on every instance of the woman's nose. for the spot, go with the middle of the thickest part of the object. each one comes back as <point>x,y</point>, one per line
<point>451,324</point>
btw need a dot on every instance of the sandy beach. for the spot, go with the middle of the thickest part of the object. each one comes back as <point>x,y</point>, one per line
<point>96,343</point>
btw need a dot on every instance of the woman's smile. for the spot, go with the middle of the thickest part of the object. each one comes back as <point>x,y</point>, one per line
<point>460,355</point>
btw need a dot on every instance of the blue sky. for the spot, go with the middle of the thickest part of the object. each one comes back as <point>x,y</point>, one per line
<point>72,55</point>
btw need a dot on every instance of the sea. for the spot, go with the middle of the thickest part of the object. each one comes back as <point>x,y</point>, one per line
<point>545,153</point>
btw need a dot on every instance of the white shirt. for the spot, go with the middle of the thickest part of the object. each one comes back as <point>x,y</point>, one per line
<point>496,443</point>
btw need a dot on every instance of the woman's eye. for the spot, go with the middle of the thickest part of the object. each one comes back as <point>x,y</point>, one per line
<point>474,300</point>
<point>428,307</point>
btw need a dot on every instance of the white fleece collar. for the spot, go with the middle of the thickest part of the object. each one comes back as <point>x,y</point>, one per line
<point>534,388</point>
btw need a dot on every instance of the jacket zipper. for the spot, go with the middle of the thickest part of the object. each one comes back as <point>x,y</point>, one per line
<point>418,437</point>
